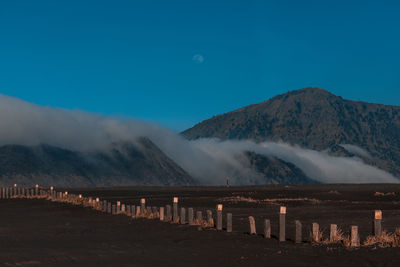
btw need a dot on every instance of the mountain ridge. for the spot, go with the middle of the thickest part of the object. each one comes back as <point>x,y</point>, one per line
<point>123,164</point>
<point>316,119</point>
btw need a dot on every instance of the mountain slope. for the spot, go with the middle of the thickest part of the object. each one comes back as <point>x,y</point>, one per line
<point>315,119</point>
<point>124,164</point>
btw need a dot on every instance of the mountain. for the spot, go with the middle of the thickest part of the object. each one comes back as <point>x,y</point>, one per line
<point>316,119</point>
<point>124,164</point>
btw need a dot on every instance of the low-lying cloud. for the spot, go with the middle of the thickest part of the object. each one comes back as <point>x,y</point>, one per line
<point>356,150</point>
<point>208,160</point>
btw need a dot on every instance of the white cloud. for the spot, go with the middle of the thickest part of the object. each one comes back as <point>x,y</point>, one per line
<point>356,150</point>
<point>208,160</point>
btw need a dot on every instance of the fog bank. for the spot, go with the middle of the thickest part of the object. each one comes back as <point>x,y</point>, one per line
<point>207,160</point>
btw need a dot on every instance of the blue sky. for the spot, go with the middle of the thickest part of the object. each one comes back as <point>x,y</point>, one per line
<point>180,62</point>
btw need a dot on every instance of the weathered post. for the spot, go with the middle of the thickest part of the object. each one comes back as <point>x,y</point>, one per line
<point>142,205</point>
<point>175,217</point>
<point>378,223</point>
<point>161,213</point>
<point>183,215</point>
<point>252,225</point>
<point>123,208</point>
<point>105,205</point>
<point>229,222</point>
<point>118,207</point>
<point>298,237</point>
<point>333,233</point>
<point>138,211</point>
<point>267,228</point>
<point>190,216</point>
<point>133,210</point>
<point>36,190</point>
<point>355,240</point>
<point>282,224</point>
<point>199,217</point>
<point>210,220</point>
<point>169,216</point>
<point>114,209</point>
<point>128,210</point>
<point>315,232</point>
<point>219,217</point>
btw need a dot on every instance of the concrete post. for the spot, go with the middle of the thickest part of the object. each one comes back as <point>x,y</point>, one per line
<point>229,222</point>
<point>267,228</point>
<point>199,217</point>
<point>298,237</point>
<point>333,233</point>
<point>378,223</point>
<point>282,224</point>
<point>190,215</point>
<point>148,210</point>
<point>142,205</point>
<point>210,220</point>
<point>219,217</point>
<point>133,210</point>
<point>175,217</point>
<point>161,213</point>
<point>252,225</point>
<point>138,211</point>
<point>105,205</point>
<point>169,216</point>
<point>355,240</point>
<point>114,209</point>
<point>315,233</point>
<point>118,207</point>
<point>183,215</point>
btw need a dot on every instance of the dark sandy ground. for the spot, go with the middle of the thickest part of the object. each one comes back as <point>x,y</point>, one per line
<point>44,233</point>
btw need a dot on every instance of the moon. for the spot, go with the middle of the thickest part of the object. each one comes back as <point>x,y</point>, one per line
<point>198,58</point>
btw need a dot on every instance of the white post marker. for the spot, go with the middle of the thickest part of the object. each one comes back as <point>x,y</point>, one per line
<point>378,223</point>
<point>118,207</point>
<point>282,224</point>
<point>175,216</point>
<point>142,205</point>
<point>219,217</point>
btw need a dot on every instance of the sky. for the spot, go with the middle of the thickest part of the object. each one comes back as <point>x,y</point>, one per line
<point>180,62</point>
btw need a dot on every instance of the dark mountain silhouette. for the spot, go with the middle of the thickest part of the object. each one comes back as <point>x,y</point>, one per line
<point>124,164</point>
<point>316,119</point>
